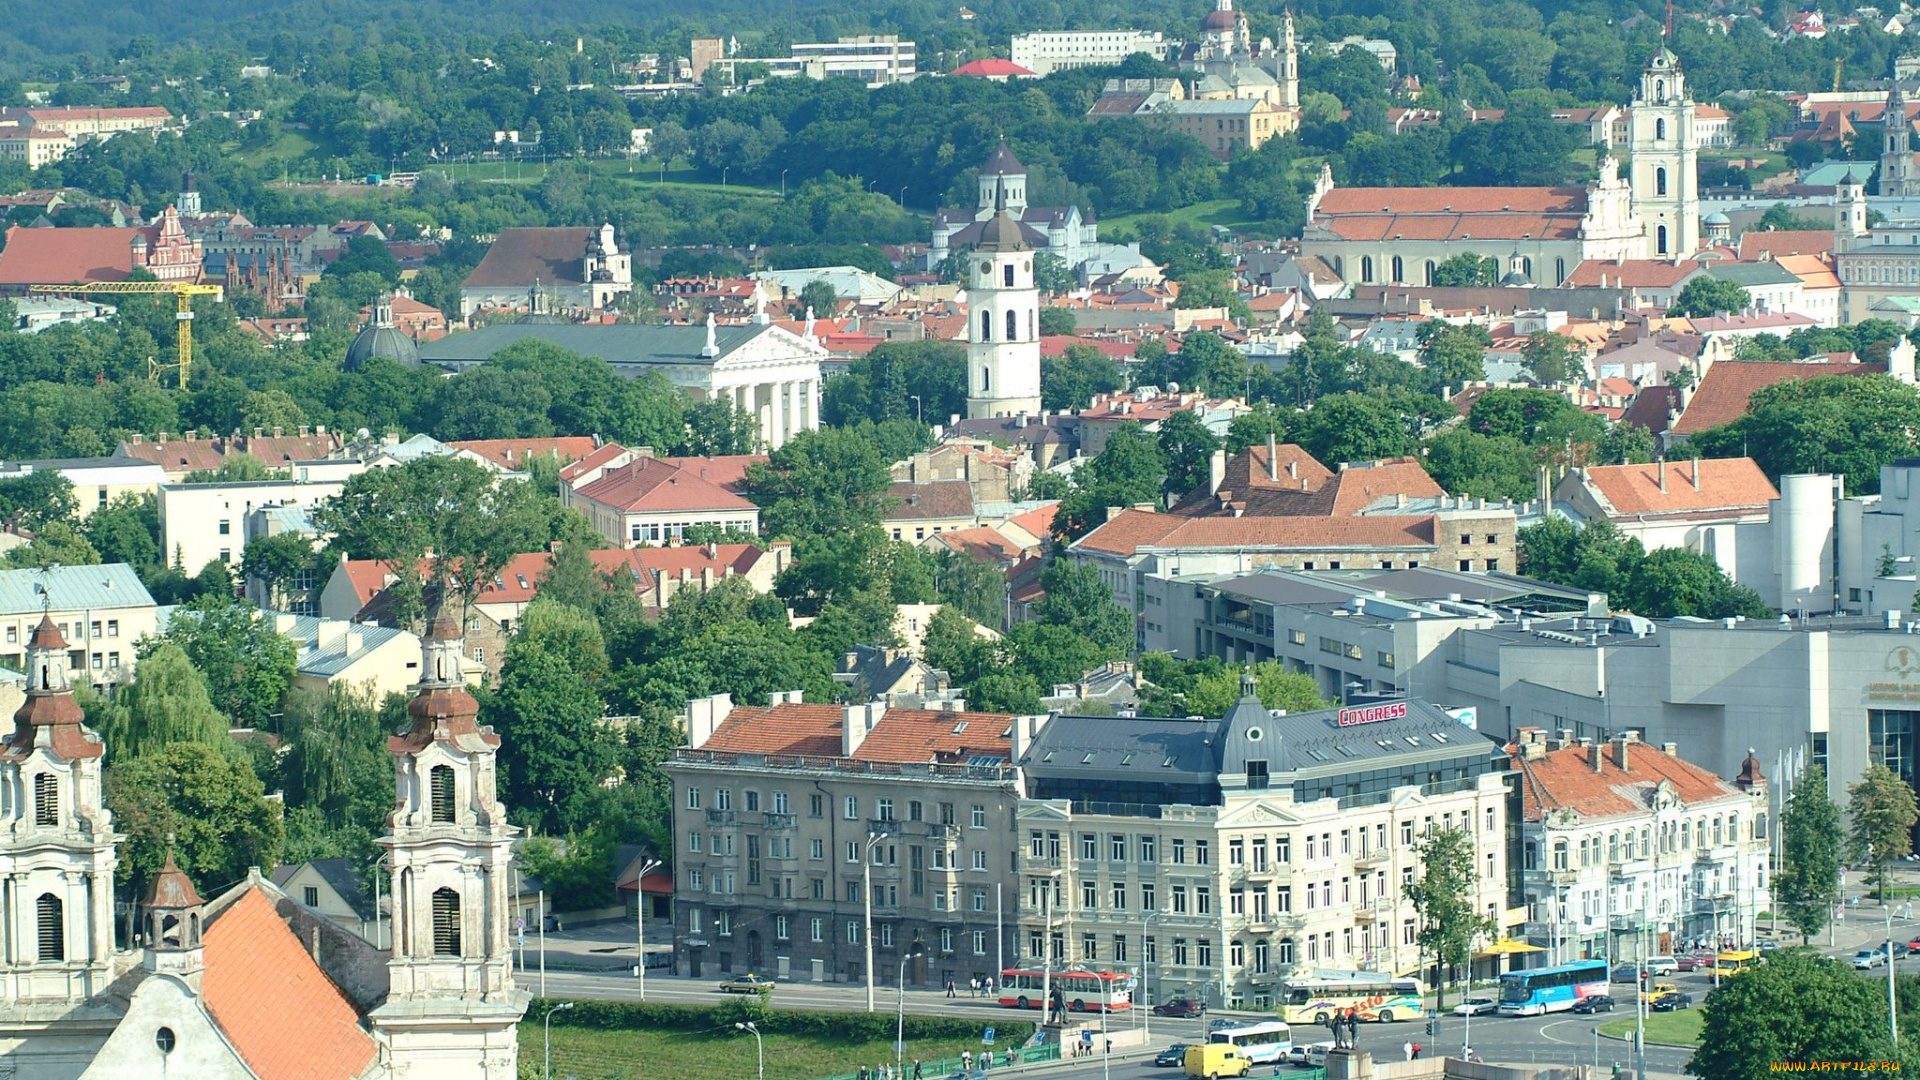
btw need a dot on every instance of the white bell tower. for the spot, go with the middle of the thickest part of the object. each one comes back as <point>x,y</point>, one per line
<point>1003,321</point>
<point>1664,173</point>
<point>452,1006</point>
<point>56,843</point>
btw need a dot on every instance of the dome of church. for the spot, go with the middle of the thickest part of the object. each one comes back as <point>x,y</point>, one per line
<point>1218,19</point>
<point>1516,280</point>
<point>1002,233</point>
<point>385,341</point>
<point>1716,218</point>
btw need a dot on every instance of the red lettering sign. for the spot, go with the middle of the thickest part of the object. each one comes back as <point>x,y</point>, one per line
<point>1373,714</point>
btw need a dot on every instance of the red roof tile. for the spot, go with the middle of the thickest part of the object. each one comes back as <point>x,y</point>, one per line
<point>61,256</point>
<point>1702,484</point>
<point>651,485</point>
<point>1486,213</point>
<point>589,462</point>
<point>982,544</point>
<point>193,455</point>
<point>521,257</point>
<point>992,68</point>
<point>1723,393</point>
<point>1755,246</point>
<point>1630,273</point>
<point>280,1012</point>
<point>902,735</point>
<point>727,470</point>
<point>937,500</point>
<point>1038,522</point>
<point>513,453</point>
<point>1130,530</point>
<point>1566,779</point>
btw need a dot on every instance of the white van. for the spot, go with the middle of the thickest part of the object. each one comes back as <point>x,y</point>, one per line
<point>1317,1055</point>
<point>1658,966</point>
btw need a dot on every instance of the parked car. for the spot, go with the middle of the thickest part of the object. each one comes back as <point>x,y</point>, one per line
<point>1767,944</point>
<point>1867,959</point>
<point>1626,973</point>
<point>1694,962</point>
<point>1594,1003</point>
<point>1172,1055</point>
<point>746,984</point>
<point>1476,1006</point>
<point>1672,1002</point>
<point>1179,1007</point>
<point>1898,949</point>
<point>1661,965</point>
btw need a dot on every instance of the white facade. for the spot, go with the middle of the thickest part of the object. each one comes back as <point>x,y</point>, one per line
<point>1045,52</point>
<point>100,611</point>
<point>1003,328</point>
<point>96,481</point>
<point>1666,187</point>
<point>202,523</point>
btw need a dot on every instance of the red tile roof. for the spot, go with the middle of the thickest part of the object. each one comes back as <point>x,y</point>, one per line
<point>1038,522</point>
<point>992,68</point>
<point>1486,213</point>
<point>193,455</point>
<point>668,562</point>
<point>1130,530</point>
<point>902,735</point>
<point>938,500</point>
<point>62,256</point>
<point>1709,484</point>
<point>1630,273</point>
<point>513,453</point>
<point>1723,393</point>
<point>727,470</point>
<point>982,544</point>
<point>1057,344</point>
<point>1566,779</point>
<point>1356,486</point>
<point>586,463</point>
<point>651,485</point>
<point>521,257</point>
<point>1755,246</point>
<point>280,1012</point>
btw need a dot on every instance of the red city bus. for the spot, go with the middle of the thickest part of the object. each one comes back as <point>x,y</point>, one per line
<point>1083,991</point>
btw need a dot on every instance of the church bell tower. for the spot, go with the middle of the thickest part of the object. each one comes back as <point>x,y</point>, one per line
<point>1664,169</point>
<point>1003,323</point>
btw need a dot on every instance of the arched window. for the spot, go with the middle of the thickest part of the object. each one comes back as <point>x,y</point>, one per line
<point>1660,94</point>
<point>441,794</point>
<point>1431,271</point>
<point>1006,273</point>
<point>1660,240</point>
<point>1660,130</point>
<point>446,922</point>
<point>1366,269</point>
<point>986,326</point>
<point>46,799</point>
<point>1399,270</point>
<point>51,926</point>
<point>1340,265</point>
<point>986,379</point>
<point>1760,826</point>
<point>1660,181</point>
<point>1013,325</point>
<point>1526,269</point>
<point>1559,271</point>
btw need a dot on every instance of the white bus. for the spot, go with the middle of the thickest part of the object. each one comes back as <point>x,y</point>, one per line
<point>1262,1043</point>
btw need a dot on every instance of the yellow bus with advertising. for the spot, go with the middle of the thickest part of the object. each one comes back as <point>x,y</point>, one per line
<point>1734,961</point>
<point>1372,995</point>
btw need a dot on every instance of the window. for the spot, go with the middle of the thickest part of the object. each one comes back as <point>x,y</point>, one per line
<point>986,334</point>
<point>722,799</point>
<point>853,932</point>
<point>1203,900</point>
<point>1013,325</point>
<point>1660,240</point>
<point>442,794</point>
<point>883,809</point>
<point>1366,278</point>
<point>1660,181</point>
<point>1119,897</point>
<point>1006,275</point>
<point>1660,125</point>
<point>979,943</point>
<point>852,809</point>
<point>1236,852</point>
<point>1180,952</point>
<point>817,930</point>
<point>978,820</point>
<point>980,860</point>
<point>1179,899</point>
<point>226,528</point>
<point>1399,274</point>
<point>1089,847</point>
<point>1117,848</point>
<point>310,896</point>
<point>1179,852</point>
<point>816,806</point>
<point>1147,850</point>
<point>853,851</point>
<point>693,798</point>
<point>1146,896</point>
<point>753,802</point>
<point>1204,952</point>
<point>446,922</point>
<point>46,799</point>
<point>1200,852</point>
<point>52,927</point>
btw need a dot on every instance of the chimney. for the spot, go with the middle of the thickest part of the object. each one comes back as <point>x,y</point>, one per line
<point>1696,474</point>
<point>1662,467</point>
<point>1273,457</point>
<point>857,722</point>
<point>1670,749</point>
<point>704,715</point>
<point>1216,471</point>
<point>1566,739</point>
<point>1596,755</point>
<point>1620,750</point>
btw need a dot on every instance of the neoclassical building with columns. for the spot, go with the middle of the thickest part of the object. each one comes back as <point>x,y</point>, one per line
<point>766,371</point>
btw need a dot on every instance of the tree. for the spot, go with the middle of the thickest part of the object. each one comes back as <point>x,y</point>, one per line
<point>451,514</point>
<point>1354,427</point>
<point>1706,296</point>
<point>1883,811</point>
<point>1079,602</point>
<point>37,499</point>
<point>1798,1006</point>
<point>819,483</point>
<point>275,561</point>
<point>246,665</point>
<point>1453,355</point>
<point>365,255</point>
<point>1057,321</point>
<point>976,589</point>
<point>206,807</point>
<point>1847,425</point>
<point>233,468</point>
<point>1466,462</point>
<point>1070,380</point>
<point>1187,447</point>
<point>1255,426</point>
<point>818,297</point>
<point>57,543</point>
<point>1129,471</point>
<point>1551,358</point>
<point>127,530</point>
<point>1535,417</point>
<point>1467,270</point>
<point>554,751</point>
<point>1214,692</point>
<point>167,703</point>
<point>1807,884</point>
<point>338,774</point>
<point>1445,897</point>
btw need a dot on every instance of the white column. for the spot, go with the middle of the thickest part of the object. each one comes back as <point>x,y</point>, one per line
<point>811,391</point>
<point>777,410</point>
<point>796,421</point>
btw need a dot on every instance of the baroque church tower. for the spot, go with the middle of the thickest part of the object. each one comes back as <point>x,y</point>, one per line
<point>1003,335</point>
<point>452,1006</point>
<point>1664,167</point>
<point>1898,177</point>
<point>1289,73</point>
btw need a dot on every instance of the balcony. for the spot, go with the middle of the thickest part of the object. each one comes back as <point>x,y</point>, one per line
<point>883,826</point>
<point>1370,911</point>
<point>780,822</point>
<point>1372,856</point>
<point>1563,877</point>
<point>933,830</point>
<point>723,818</point>
<point>1707,905</point>
<point>1039,862</point>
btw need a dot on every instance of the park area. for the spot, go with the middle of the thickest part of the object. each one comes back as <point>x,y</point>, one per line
<point>608,1041</point>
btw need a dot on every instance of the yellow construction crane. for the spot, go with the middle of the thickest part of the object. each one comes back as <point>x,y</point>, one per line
<point>182,291</point>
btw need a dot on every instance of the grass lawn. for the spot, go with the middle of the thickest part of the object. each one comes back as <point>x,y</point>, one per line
<point>1222,212</point>
<point>289,147</point>
<point>533,170</point>
<point>1681,1028</point>
<point>591,1054</point>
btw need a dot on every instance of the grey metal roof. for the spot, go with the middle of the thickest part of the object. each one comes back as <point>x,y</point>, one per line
<point>1752,273</point>
<point>340,875</point>
<point>1125,748</point>
<point>1275,588</point>
<point>621,345</point>
<point>333,659</point>
<point>71,588</point>
<point>116,461</point>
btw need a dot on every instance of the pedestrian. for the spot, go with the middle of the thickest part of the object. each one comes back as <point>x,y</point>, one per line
<point>863,1072</point>
<point>949,986</point>
<point>973,986</point>
<point>1407,1049</point>
<point>1416,1051</point>
<point>966,1059</point>
<point>917,1075</point>
<point>990,978</point>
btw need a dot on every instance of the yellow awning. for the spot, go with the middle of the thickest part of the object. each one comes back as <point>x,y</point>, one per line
<point>1509,947</point>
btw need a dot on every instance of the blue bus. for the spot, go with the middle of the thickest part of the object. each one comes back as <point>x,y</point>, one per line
<point>1554,989</point>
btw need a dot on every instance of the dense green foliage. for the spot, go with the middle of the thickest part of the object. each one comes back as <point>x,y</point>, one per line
<point>1812,845</point>
<point>1662,584</point>
<point>1837,424</point>
<point>1798,1006</point>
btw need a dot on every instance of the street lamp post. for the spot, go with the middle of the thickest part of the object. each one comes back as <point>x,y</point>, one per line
<point>640,920</point>
<point>1146,1010</point>
<point>917,418</point>
<point>900,1014</point>
<point>547,1068</point>
<point>1886,907</point>
<point>866,888</point>
<point>783,183</point>
<point>759,1048</point>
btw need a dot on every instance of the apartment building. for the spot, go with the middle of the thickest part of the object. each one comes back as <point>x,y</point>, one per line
<point>1217,857</point>
<point>818,842</point>
<point>1044,52</point>
<point>201,523</point>
<point>101,611</point>
<point>1629,850</point>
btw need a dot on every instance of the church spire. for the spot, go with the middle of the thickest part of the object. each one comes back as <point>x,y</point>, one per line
<point>50,717</point>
